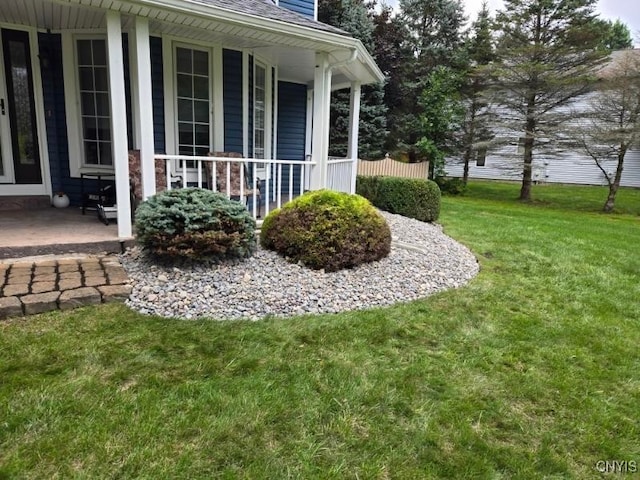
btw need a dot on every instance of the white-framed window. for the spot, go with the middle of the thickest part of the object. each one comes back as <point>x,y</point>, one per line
<point>193,100</point>
<point>259,96</point>
<point>88,102</point>
<point>95,110</point>
<point>481,156</point>
<point>259,109</point>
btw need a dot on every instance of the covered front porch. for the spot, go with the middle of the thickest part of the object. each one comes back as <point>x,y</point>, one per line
<point>181,83</point>
<point>48,231</point>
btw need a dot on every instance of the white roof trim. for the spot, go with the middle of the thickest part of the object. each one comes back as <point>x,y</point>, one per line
<point>329,40</point>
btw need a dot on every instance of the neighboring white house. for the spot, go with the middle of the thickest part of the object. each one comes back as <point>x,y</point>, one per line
<point>83,82</point>
<point>573,167</point>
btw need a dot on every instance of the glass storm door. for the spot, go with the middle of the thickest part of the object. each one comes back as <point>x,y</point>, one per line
<point>6,162</point>
<point>18,137</point>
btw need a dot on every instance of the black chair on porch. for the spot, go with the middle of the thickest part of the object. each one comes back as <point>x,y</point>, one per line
<point>107,208</point>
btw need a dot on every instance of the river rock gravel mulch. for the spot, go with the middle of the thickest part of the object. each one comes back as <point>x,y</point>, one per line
<point>423,261</point>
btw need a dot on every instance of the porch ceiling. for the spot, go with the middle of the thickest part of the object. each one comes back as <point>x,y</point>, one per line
<point>293,50</point>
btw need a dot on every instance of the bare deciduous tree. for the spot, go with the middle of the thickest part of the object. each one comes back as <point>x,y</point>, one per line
<point>610,125</point>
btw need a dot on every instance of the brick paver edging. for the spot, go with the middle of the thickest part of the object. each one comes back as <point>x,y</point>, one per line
<point>40,285</point>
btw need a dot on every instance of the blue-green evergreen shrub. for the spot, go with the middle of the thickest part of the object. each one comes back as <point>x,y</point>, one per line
<point>195,223</point>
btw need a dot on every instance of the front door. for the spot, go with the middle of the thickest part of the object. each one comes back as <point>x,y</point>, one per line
<point>19,152</point>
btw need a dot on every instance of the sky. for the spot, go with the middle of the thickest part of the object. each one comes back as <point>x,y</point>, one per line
<point>628,11</point>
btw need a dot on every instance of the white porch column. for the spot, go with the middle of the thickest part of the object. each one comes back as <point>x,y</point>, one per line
<point>119,123</point>
<point>354,122</point>
<point>321,110</point>
<point>143,106</point>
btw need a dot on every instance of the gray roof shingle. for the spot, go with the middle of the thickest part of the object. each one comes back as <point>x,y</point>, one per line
<point>267,9</point>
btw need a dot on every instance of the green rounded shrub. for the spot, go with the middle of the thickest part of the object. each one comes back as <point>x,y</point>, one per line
<point>195,223</point>
<point>367,186</point>
<point>409,197</point>
<point>327,230</point>
<point>451,186</point>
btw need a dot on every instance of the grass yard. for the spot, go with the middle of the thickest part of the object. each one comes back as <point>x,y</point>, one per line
<point>531,371</point>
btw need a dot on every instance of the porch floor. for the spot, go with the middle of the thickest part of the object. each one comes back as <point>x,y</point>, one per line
<point>55,231</point>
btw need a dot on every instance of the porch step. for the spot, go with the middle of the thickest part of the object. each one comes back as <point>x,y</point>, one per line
<point>92,248</point>
<point>24,202</point>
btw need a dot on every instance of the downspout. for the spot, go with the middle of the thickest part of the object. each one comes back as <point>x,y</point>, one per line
<point>352,58</point>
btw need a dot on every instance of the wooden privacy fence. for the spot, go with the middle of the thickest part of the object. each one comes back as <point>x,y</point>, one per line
<point>393,168</point>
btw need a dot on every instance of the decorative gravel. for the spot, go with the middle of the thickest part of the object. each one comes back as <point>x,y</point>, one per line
<point>423,260</point>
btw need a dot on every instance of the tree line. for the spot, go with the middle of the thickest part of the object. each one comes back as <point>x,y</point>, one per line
<point>456,89</point>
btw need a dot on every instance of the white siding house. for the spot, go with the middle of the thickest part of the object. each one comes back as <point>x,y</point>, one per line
<point>567,165</point>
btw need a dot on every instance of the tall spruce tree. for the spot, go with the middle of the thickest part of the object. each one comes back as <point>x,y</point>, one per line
<point>617,35</point>
<point>392,56</point>
<point>354,17</point>
<point>433,35</point>
<point>549,52</point>
<point>476,127</point>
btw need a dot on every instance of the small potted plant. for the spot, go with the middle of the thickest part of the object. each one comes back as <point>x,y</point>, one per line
<point>60,200</point>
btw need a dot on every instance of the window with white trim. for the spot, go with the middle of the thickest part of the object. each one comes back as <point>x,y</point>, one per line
<point>95,111</point>
<point>193,101</point>
<point>481,156</point>
<point>259,109</point>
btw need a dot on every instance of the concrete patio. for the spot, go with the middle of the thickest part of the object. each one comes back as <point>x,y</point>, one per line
<point>54,258</point>
<point>55,231</point>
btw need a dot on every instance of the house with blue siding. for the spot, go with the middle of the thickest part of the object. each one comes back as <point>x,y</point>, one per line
<point>83,83</point>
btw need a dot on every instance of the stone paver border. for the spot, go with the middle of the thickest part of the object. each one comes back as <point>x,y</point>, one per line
<point>41,284</point>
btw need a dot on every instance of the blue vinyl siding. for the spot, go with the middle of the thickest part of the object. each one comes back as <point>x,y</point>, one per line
<point>50,47</point>
<point>157,94</point>
<point>292,123</point>
<point>127,91</point>
<point>250,106</point>
<point>232,97</point>
<point>305,7</point>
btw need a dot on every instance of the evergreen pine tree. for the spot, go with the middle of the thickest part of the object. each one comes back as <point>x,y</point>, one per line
<point>616,35</point>
<point>392,54</point>
<point>476,127</point>
<point>432,33</point>
<point>548,56</point>
<point>353,17</point>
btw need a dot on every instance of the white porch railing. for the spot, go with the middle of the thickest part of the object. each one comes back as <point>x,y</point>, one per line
<point>278,181</point>
<point>340,173</point>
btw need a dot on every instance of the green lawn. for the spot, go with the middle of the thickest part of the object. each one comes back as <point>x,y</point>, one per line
<point>531,371</point>
<point>575,197</point>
